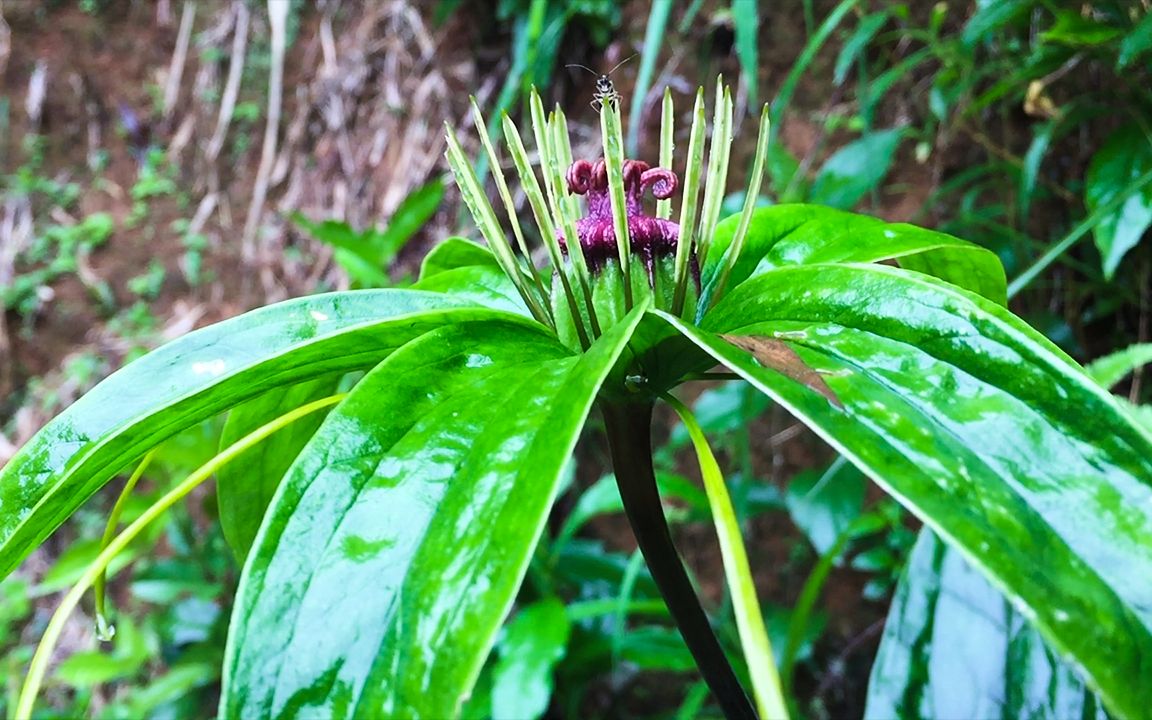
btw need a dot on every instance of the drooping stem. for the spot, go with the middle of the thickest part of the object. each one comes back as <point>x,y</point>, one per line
<point>630,443</point>
<point>104,629</point>
<point>98,567</point>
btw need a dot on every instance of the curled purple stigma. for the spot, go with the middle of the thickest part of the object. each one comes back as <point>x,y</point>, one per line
<point>651,237</point>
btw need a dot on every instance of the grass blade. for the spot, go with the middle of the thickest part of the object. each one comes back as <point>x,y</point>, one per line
<point>749,618</point>
<point>654,35</point>
<point>747,23</point>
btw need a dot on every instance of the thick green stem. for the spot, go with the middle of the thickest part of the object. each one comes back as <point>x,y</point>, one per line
<point>630,442</point>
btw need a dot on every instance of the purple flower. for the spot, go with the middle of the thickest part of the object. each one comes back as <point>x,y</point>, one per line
<point>651,237</point>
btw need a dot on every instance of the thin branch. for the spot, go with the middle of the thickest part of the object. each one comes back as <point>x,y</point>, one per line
<point>179,56</point>
<point>232,86</point>
<point>278,20</point>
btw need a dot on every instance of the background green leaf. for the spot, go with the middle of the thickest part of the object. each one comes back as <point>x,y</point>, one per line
<point>824,504</point>
<point>532,643</point>
<point>856,169</point>
<point>954,647</point>
<point>1111,369</point>
<point>1124,157</point>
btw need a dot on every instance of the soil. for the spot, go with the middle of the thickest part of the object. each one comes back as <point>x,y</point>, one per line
<point>367,89</point>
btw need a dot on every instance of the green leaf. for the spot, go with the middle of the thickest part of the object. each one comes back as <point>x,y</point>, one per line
<point>992,15</point>
<point>784,175</point>
<point>412,214</point>
<point>856,43</point>
<point>856,169</point>
<point>1124,157</point>
<point>354,250</point>
<point>485,285</point>
<point>246,485</point>
<point>746,21</point>
<point>533,642</point>
<point>823,505</point>
<point>129,654</point>
<point>954,647</point>
<point>1072,28</point>
<point>1111,369</point>
<point>802,234</point>
<point>976,423</point>
<point>367,254</point>
<point>654,647</point>
<point>193,378</point>
<point>1136,43</point>
<point>603,497</point>
<point>453,253</point>
<point>396,544</point>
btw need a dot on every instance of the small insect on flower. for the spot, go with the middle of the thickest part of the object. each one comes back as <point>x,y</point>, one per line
<point>605,90</point>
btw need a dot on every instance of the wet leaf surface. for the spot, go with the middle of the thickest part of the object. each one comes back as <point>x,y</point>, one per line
<point>955,647</point>
<point>398,540</point>
<point>193,378</point>
<point>976,423</point>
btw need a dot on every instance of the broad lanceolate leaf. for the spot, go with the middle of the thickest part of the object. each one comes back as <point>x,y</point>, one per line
<point>784,235</point>
<point>985,430</point>
<point>955,647</point>
<point>1125,156</point>
<point>196,377</point>
<point>246,485</point>
<point>396,544</point>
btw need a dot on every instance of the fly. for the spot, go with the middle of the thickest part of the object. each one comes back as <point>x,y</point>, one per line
<point>605,90</point>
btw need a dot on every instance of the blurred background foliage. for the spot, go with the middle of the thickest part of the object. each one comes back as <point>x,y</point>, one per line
<point>142,199</point>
